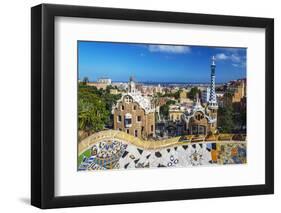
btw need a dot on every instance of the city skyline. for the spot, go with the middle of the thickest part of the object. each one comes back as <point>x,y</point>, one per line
<point>155,63</point>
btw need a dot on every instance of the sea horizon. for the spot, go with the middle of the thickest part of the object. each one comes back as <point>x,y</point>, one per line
<point>169,83</point>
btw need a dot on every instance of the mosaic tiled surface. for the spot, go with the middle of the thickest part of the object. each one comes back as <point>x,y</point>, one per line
<point>113,154</point>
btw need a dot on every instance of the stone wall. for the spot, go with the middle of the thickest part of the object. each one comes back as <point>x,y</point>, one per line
<point>141,123</point>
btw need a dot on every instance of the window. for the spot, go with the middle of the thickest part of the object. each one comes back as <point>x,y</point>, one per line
<point>151,128</point>
<point>128,120</point>
<point>122,107</point>
<point>136,132</point>
<point>194,130</point>
<point>139,118</point>
<point>128,99</point>
<point>135,107</point>
<point>119,118</point>
<point>201,130</point>
<point>199,116</point>
<point>128,131</point>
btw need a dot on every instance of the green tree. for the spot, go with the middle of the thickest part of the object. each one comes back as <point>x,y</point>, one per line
<point>243,117</point>
<point>109,87</point>
<point>192,93</point>
<point>85,80</point>
<point>170,102</point>
<point>239,117</point>
<point>92,113</point>
<point>177,94</point>
<point>91,99</point>
<point>164,109</point>
<point>225,119</point>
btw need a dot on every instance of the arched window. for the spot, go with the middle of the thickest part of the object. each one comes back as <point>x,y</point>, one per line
<point>128,120</point>
<point>119,118</point>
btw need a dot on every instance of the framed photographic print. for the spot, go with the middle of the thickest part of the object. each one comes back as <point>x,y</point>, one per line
<point>139,106</point>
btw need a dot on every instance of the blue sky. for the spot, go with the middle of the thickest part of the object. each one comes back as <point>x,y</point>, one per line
<point>158,63</point>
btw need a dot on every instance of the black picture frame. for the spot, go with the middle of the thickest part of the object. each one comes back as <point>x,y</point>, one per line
<point>43,102</point>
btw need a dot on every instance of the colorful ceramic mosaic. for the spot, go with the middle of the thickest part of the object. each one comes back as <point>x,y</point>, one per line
<point>113,154</point>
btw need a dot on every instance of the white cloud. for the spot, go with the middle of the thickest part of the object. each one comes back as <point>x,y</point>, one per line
<point>222,56</point>
<point>169,49</point>
<point>235,58</point>
<point>239,65</point>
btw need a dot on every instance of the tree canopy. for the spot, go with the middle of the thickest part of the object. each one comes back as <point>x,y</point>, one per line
<point>225,119</point>
<point>193,92</point>
<point>85,80</point>
<point>94,107</point>
<point>164,109</point>
<point>92,113</point>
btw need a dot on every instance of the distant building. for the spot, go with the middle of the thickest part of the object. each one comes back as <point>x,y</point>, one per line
<point>97,85</point>
<point>146,90</point>
<point>235,93</point>
<point>219,94</point>
<point>183,94</point>
<point>161,101</point>
<point>134,113</point>
<point>175,89</point>
<point>183,97</point>
<point>101,83</point>
<point>120,85</point>
<point>114,91</point>
<point>186,101</point>
<point>203,120</point>
<point>176,112</point>
<point>200,120</point>
<point>104,80</point>
<point>158,89</point>
<point>205,95</point>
